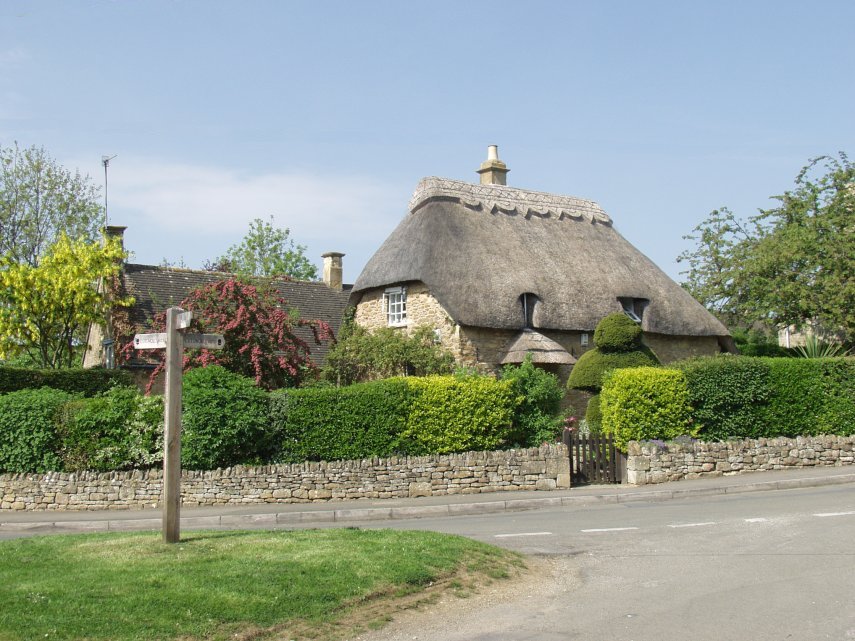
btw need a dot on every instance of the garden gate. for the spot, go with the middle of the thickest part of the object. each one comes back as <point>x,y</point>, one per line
<point>594,459</point>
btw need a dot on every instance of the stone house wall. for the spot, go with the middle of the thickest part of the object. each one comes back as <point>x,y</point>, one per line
<point>652,462</point>
<point>543,468</point>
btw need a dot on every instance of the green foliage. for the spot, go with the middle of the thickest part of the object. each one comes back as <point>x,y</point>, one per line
<point>266,250</point>
<point>726,393</point>
<point>88,382</point>
<point>587,374</point>
<point>45,309</point>
<point>789,265</point>
<point>458,415</point>
<point>755,343</point>
<point>39,201</point>
<point>360,355</point>
<point>340,423</point>
<point>537,418</point>
<point>28,438</point>
<point>644,403</point>
<point>816,348</point>
<point>617,333</point>
<point>594,414</point>
<point>225,420</point>
<point>120,429</point>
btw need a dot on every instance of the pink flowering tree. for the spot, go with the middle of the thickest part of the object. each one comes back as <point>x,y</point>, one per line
<point>259,332</point>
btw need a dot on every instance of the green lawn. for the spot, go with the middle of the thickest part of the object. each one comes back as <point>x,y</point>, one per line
<point>219,585</point>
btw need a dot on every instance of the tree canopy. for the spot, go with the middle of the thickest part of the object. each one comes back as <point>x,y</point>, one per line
<point>793,264</point>
<point>45,308</point>
<point>266,250</point>
<point>39,201</point>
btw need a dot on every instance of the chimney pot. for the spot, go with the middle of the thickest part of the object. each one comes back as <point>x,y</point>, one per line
<point>493,171</point>
<point>333,270</point>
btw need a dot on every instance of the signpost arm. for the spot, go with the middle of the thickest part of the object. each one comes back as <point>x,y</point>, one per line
<point>172,436</point>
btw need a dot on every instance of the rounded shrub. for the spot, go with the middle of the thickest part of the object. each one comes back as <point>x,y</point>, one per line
<point>594,414</point>
<point>617,333</point>
<point>225,420</point>
<point>587,373</point>
<point>28,435</point>
<point>644,403</point>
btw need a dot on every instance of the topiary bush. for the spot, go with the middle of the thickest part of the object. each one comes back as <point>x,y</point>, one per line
<point>587,374</point>
<point>340,423</point>
<point>617,333</point>
<point>537,418</point>
<point>448,414</point>
<point>225,420</point>
<point>644,403</point>
<point>28,436</point>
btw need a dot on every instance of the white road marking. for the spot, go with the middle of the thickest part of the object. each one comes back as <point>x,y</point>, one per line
<point>692,524</point>
<point>610,529</point>
<point>757,520</point>
<point>824,514</point>
<point>507,536</point>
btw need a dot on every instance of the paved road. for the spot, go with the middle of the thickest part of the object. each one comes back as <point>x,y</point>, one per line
<point>761,566</point>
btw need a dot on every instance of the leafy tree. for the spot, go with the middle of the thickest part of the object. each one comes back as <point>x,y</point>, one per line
<point>44,309</point>
<point>360,355</point>
<point>266,250</point>
<point>258,328</point>
<point>39,201</point>
<point>789,265</point>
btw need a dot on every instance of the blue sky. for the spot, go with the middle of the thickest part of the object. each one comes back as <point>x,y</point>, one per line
<point>325,115</point>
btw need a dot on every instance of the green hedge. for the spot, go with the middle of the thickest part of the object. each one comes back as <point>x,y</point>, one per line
<point>617,333</point>
<point>28,436</point>
<point>88,382</point>
<point>338,423</point>
<point>451,414</point>
<point>587,373</point>
<point>225,420</point>
<point>537,418</point>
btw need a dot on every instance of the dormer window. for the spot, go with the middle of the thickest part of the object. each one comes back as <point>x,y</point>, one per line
<point>633,307</point>
<point>529,303</point>
<point>395,304</point>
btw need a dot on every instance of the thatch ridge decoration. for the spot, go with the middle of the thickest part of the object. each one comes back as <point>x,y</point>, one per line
<point>507,200</point>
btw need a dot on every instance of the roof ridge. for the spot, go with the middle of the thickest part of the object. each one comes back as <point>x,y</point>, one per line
<point>507,200</point>
<point>205,272</point>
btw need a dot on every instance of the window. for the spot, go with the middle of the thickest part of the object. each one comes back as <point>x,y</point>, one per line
<point>634,307</point>
<point>395,303</point>
<point>529,303</point>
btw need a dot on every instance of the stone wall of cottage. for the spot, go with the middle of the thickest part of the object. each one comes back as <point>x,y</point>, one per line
<point>657,462</point>
<point>543,468</point>
<point>673,348</point>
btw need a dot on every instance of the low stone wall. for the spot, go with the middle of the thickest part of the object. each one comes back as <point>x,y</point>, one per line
<point>543,468</point>
<point>656,462</point>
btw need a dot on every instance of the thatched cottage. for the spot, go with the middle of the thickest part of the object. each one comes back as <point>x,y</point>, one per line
<point>498,272</point>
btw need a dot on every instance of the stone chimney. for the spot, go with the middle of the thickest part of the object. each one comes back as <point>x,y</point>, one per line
<point>333,270</point>
<point>115,231</point>
<point>493,171</point>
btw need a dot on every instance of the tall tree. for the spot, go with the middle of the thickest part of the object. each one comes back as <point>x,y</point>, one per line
<point>266,250</point>
<point>793,264</point>
<point>39,201</point>
<point>44,309</point>
<point>259,332</point>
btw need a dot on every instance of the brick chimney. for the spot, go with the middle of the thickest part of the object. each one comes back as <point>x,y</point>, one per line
<point>493,171</point>
<point>333,270</point>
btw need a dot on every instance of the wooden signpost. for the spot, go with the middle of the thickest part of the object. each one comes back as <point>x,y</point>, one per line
<point>174,340</point>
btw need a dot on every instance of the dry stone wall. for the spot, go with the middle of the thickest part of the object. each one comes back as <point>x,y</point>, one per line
<point>543,468</point>
<point>657,462</point>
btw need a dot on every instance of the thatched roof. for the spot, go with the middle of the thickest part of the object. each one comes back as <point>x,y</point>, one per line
<point>541,348</point>
<point>479,248</point>
<point>156,288</point>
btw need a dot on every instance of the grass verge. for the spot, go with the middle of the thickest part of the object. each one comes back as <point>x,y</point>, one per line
<point>316,584</point>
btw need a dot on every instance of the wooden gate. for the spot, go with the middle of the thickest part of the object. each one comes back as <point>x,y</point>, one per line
<point>594,459</point>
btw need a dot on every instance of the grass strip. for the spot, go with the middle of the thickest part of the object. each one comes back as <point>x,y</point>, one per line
<point>219,585</point>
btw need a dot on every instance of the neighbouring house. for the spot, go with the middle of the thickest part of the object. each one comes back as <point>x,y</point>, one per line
<point>155,288</point>
<point>499,272</point>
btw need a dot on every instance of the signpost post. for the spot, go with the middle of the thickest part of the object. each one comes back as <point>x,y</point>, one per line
<point>174,340</point>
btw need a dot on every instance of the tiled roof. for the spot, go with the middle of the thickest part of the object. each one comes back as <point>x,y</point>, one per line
<point>156,288</point>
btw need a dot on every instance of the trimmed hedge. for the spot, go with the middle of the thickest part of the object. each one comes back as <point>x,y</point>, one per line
<point>617,333</point>
<point>587,373</point>
<point>28,437</point>
<point>645,403</point>
<point>88,382</point>
<point>458,415</point>
<point>339,423</point>
<point>225,420</point>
